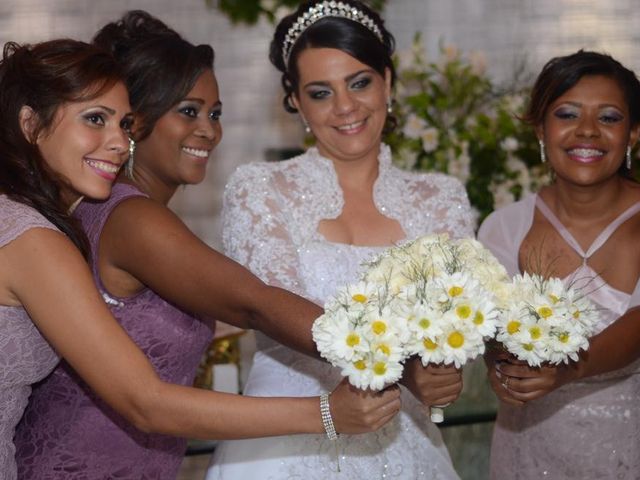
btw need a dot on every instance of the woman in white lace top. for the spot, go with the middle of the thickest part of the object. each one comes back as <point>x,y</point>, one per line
<point>307,224</point>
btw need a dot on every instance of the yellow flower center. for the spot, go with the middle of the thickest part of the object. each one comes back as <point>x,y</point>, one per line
<point>535,333</point>
<point>479,318</point>
<point>527,346</point>
<point>455,340</point>
<point>455,291</point>
<point>576,314</point>
<point>353,339</point>
<point>424,323</point>
<point>379,327</point>
<point>564,337</point>
<point>384,349</point>
<point>513,327</point>
<point>379,368</point>
<point>545,312</point>
<point>429,344</point>
<point>360,365</point>
<point>463,311</point>
<point>359,297</point>
<point>553,298</point>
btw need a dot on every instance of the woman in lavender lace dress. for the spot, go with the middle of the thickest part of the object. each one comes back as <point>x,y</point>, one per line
<point>162,284</point>
<point>307,224</point>
<point>62,107</point>
<point>580,420</point>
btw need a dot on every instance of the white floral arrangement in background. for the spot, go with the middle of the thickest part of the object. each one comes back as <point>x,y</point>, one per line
<point>543,321</point>
<point>453,119</point>
<point>433,297</point>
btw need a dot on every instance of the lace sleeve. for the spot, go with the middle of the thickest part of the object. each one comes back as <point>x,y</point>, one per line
<point>439,204</point>
<point>254,228</point>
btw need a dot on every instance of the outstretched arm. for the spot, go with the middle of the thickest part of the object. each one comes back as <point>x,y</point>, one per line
<point>147,241</point>
<point>51,280</point>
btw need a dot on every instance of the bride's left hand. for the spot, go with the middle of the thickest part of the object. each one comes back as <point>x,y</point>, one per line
<point>434,384</point>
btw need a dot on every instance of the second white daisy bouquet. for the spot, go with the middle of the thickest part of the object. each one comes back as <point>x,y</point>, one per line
<point>544,321</point>
<point>433,297</point>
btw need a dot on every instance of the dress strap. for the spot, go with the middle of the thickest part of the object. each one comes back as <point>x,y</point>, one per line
<point>600,240</point>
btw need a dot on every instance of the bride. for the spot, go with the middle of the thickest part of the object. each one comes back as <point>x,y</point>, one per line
<point>307,224</point>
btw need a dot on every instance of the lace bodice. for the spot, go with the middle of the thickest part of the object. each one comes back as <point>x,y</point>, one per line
<point>588,429</point>
<point>271,215</point>
<point>67,431</point>
<point>25,356</point>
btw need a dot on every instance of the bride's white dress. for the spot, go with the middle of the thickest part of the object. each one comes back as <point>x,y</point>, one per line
<point>271,215</point>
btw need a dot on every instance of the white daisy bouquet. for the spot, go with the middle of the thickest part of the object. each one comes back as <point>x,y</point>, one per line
<point>433,297</point>
<point>544,321</point>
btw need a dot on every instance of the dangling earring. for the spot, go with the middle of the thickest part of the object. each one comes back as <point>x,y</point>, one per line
<point>628,157</point>
<point>543,156</point>
<point>389,106</point>
<point>307,128</point>
<point>129,166</point>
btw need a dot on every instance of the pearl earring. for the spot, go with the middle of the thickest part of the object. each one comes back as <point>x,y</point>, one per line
<point>543,156</point>
<point>389,106</point>
<point>307,128</point>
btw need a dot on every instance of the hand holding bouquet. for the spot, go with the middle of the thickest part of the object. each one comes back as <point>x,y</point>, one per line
<point>433,297</point>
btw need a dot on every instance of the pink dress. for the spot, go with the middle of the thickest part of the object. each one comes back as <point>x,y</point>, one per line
<point>588,429</point>
<point>25,356</point>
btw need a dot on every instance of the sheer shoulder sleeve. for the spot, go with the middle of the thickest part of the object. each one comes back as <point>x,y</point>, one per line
<point>255,232</point>
<point>502,232</point>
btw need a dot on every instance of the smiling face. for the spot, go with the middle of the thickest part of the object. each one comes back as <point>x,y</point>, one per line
<point>344,102</point>
<point>87,143</point>
<point>587,130</point>
<point>177,150</point>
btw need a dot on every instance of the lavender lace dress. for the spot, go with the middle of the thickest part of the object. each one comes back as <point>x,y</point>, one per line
<point>69,433</point>
<point>271,216</point>
<point>25,357</point>
<point>588,429</point>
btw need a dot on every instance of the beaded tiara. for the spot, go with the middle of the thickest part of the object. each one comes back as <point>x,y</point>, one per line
<point>318,12</point>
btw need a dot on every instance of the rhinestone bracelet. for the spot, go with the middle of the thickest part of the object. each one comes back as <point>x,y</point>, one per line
<point>327,421</point>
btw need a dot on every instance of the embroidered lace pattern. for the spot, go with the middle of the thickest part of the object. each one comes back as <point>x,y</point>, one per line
<point>67,431</point>
<point>25,357</point>
<point>271,216</point>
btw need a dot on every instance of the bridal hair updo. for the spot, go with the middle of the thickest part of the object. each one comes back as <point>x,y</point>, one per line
<point>160,66</point>
<point>45,76</point>
<point>371,45</point>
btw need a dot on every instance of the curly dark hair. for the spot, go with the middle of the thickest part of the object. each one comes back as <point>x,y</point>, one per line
<point>160,67</point>
<point>331,32</point>
<point>44,77</point>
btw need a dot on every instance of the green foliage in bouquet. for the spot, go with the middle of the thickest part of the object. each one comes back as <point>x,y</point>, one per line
<point>453,119</point>
<point>250,11</point>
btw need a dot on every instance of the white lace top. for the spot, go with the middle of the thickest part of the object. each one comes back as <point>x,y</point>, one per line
<point>270,219</point>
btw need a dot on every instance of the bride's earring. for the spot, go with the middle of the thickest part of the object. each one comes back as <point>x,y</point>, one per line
<point>129,166</point>
<point>628,157</point>
<point>543,156</point>
<point>307,128</point>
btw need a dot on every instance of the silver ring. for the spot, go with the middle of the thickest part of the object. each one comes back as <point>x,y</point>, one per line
<point>505,384</point>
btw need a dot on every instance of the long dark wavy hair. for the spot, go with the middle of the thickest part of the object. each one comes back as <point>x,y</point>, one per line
<point>160,67</point>
<point>45,76</point>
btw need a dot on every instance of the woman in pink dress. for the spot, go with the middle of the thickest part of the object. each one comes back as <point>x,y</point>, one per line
<point>65,118</point>
<point>580,420</point>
